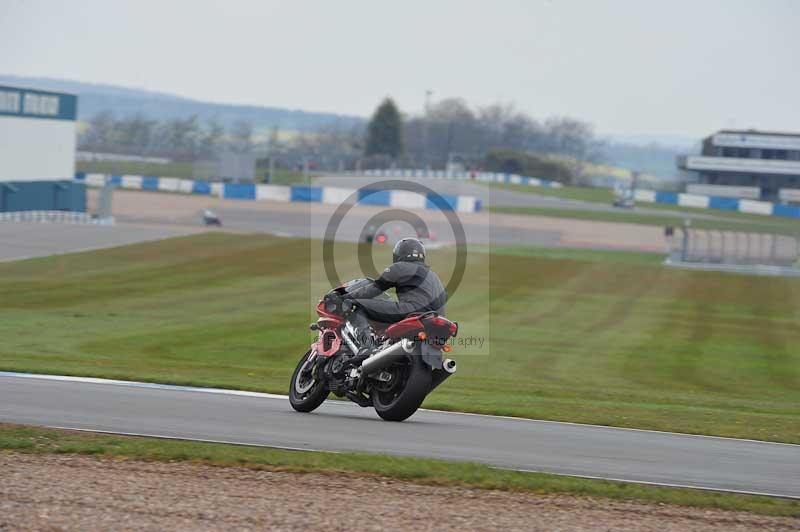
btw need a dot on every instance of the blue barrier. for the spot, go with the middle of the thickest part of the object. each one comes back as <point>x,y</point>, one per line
<point>251,191</point>
<point>727,204</point>
<point>201,187</point>
<point>374,197</point>
<point>300,193</point>
<point>244,191</point>
<point>149,182</point>
<point>670,198</point>
<point>442,202</point>
<point>790,211</point>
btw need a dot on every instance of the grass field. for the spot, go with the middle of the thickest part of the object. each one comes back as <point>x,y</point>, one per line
<point>599,195</point>
<point>423,471</point>
<point>725,222</point>
<point>624,343</point>
<point>181,170</point>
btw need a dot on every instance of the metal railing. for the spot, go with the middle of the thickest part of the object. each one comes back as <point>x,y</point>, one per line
<point>59,217</point>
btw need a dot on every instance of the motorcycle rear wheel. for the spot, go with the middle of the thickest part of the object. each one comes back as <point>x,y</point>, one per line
<point>399,403</point>
<point>306,392</point>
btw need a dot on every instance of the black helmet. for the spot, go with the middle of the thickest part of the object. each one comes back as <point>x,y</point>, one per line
<point>409,250</point>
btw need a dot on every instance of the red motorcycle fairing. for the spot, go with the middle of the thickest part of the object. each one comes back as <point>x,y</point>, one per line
<point>329,341</point>
<point>433,324</point>
<point>329,319</point>
<point>402,328</point>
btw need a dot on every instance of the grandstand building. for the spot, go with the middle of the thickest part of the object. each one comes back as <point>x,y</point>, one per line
<point>752,164</point>
<point>37,151</point>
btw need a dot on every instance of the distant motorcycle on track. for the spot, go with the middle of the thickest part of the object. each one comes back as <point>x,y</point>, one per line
<point>405,366</point>
<point>211,219</point>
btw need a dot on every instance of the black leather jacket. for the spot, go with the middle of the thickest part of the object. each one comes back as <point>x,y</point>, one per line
<point>418,287</point>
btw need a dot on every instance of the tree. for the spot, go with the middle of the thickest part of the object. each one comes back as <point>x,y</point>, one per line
<point>178,138</point>
<point>134,134</point>
<point>100,133</point>
<point>212,138</point>
<point>530,164</point>
<point>242,136</point>
<point>385,131</point>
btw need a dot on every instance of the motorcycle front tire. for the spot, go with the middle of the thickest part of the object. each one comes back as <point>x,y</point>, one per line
<point>311,399</point>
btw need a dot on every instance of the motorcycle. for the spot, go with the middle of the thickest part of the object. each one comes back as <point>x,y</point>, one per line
<point>405,365</point>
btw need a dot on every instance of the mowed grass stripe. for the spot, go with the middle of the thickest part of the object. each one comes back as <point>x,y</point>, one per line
<point>600,338</point>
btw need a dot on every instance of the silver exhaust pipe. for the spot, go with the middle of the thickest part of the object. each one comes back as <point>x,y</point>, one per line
<point>385,358</point>
<point>441,375</point>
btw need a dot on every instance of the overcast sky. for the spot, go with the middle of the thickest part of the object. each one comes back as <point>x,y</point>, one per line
<point>663,67</point>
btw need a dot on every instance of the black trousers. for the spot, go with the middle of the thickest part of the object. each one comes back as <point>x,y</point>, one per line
<point>384,312</point>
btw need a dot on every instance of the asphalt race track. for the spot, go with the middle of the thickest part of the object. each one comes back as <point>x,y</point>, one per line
<point>268,420</point>
<point>26,240</point>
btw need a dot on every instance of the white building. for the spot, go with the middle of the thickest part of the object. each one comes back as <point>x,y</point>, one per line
<point>753,162</point>
<point>37,151</point>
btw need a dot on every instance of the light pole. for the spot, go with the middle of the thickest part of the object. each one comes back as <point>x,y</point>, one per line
<point>428,94</point>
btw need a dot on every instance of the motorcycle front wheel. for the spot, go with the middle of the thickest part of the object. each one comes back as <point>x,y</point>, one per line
<point>412,382</point>
<point>306,391</point>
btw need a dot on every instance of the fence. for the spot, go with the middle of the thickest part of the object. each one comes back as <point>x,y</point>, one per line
<point>745,252</point>
<point>490,177</point>
<point>284,193</point>
<point>62,217</point>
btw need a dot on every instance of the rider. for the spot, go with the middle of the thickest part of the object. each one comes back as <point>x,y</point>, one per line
<point>418,290</point>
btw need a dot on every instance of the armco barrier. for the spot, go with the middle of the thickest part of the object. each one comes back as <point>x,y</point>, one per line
<point>763,208</point>
<point>59,217</point>
<point>294,193</point>
<point>488,177</point>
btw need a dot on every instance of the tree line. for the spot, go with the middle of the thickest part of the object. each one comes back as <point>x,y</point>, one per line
<point>452,127</point>
<point>496,137</point>
<point>450,132</point>
<point>180,139</point>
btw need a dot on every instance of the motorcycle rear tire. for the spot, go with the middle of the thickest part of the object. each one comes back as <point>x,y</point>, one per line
<point>310,400</point>
<point>416,388</point>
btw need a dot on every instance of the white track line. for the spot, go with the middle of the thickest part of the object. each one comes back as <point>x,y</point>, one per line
<point>242,393</point>
<point>202,440</point>
<point>648,483</point>
<point>136,384</point>
<point>304,449</point>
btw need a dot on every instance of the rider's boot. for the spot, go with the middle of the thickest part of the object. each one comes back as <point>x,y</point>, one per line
<point>366,344</point>
<point>363,335</point>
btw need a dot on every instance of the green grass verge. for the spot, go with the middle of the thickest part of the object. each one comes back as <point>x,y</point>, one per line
<point>419,470</point>
<point>733,221</point>
<point>180,170</point>
<point>594,194</point>
<point>593,255</point>
<point>581,338</point>
<point>726,222</point>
